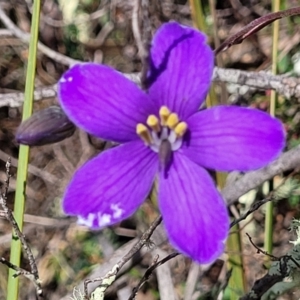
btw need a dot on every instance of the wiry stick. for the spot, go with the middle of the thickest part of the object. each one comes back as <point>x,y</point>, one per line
<point>149,272</point>
<point>289,160</point>
<point>255,206</point>
<point>284,190</point>
<point>110,277</point>
<point>260,250</point>
<point>255,26</point>
<point>281,268</point>
<point>48,177</point>
<point>24,273</point>
<point>33,274</point>
<point>144,240</point>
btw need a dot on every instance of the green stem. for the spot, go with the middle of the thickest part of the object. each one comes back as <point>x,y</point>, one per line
<point>197,15</point>
<point>269,207</point>
<point>237,282</point>
<point>15,254</point>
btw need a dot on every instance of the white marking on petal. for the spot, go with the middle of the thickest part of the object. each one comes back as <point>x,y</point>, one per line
<point>86,221</point>
<point>103,220</point>
<point>117,211</point>
<point>70,79</point>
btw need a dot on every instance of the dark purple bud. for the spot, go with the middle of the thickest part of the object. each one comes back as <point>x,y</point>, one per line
<point>46,126</point>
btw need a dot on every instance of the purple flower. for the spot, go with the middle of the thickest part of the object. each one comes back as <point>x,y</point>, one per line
<point>163,136</point>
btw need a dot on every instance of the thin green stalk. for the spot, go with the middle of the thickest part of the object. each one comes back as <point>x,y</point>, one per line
<point>237,282</point>
<point>198,18</point>
<point>15,254</point>
<point>269,207</point>
<point>197,15</point>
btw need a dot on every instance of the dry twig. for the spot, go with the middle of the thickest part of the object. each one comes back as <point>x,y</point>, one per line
<point>289,160</point>
<point>286,86</point>
<point>107,280</point>
<point>33,274</point>
<point>281,268</point>
<point>274,195</point>
<point>255,26</point>
<point>149,272</point>
<point>24,36</point>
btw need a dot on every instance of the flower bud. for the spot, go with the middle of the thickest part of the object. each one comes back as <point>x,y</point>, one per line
<point>46,126</point>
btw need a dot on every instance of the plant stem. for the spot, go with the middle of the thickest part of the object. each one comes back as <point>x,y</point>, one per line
<point>15,254</point>
<point>268,242</point>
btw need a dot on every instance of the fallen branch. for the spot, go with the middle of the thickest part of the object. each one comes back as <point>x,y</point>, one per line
<point>289,160</point>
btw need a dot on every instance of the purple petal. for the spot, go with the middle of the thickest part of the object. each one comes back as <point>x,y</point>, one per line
<point>233,138</point>
<point>102,101</point>
<point>194,213</point>
<point>111,186</point>
<point>181,68</point>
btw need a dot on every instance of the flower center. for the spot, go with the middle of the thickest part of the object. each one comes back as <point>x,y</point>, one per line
<point>163,134</point>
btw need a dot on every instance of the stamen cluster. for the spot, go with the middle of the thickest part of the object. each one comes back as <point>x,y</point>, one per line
<point>167,127</point>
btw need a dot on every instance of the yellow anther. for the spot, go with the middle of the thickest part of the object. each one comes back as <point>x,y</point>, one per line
<point>181,129</point>
<point>172,120</point>
<point>164,114</point>
<point>153,123</point>
<point>144,133</point>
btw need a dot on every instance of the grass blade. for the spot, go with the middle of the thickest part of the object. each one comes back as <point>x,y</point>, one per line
<point>13,283</point>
